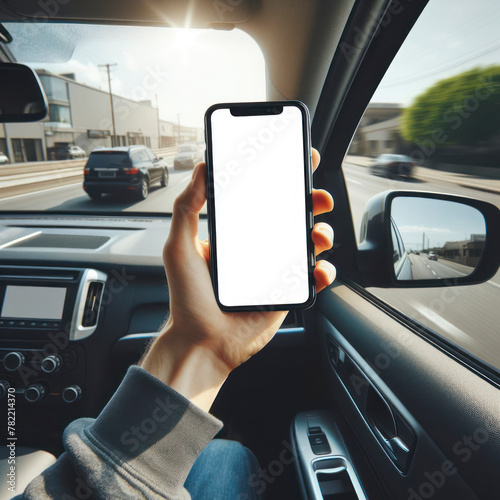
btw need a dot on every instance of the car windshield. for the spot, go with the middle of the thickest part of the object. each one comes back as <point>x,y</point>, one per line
<point>119,86</point>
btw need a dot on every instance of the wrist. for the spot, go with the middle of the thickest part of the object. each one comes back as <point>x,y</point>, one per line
<point>190,369</point>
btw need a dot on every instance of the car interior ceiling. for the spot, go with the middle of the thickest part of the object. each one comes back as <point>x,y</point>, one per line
<point>301,42</point>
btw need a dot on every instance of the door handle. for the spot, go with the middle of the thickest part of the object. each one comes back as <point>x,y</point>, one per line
<point>393,445</point>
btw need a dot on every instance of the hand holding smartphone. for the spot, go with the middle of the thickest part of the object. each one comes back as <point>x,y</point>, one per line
<point>259,191</point>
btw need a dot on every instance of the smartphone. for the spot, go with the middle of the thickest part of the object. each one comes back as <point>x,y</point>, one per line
<point>259,205</point>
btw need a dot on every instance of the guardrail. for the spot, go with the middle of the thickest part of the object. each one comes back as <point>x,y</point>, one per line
<point>25,178</point>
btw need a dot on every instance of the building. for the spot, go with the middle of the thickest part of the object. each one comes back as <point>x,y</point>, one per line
<point>378,131</point>
<point>81,115</point>
<point>467,252</point>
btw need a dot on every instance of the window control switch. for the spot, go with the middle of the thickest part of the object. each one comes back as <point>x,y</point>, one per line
<point>315,430</point>
<point>319,444</point>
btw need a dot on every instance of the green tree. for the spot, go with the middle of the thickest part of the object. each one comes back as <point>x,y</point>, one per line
<point>461,110</point>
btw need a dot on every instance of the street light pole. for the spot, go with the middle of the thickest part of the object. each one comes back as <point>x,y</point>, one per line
<point>158,120</point>
<point>107,66</point>
<point>178,128</point>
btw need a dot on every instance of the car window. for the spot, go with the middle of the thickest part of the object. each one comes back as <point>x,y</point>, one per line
<point>111,86</point>
<point>438,108</point>
<point>397,251</point>
<point>150,155</point>
<point>140,156</point>
<point>108,159</point>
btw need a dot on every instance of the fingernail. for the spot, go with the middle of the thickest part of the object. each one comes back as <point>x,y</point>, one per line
<point>195,173</point>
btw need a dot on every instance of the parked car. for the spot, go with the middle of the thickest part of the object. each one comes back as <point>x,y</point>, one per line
<point>393,166</point>
<point>432,256</point>
<point>4,159</point>
<point>188,155</point>
<point>70,153</point>
<point>123,169</point>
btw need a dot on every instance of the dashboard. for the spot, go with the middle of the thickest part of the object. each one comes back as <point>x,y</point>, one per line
<point>80,298</point>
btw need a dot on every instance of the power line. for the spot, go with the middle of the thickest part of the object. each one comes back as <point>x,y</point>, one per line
<point>442,69</point>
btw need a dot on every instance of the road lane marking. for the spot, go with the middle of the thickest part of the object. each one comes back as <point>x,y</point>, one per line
<point>40,191</point>
<point>433,272</point>
<point>442,323</point>
<point>351,180</point>
<point>493,283</point>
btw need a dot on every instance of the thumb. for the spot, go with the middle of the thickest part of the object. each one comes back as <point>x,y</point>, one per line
<point>188,205</point>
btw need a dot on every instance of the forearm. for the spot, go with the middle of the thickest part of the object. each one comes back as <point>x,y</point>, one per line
<point>189,369</point>
<point>143,444</point>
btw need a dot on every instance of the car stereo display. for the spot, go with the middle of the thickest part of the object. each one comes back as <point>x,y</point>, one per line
<point>33,302</point>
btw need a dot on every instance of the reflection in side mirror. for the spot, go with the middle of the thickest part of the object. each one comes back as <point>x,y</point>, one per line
<point>435,239</point>
<point>21,95</point>
<point>416,239</point>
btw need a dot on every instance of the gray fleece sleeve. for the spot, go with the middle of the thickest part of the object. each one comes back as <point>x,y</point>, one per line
<point>142,445</point>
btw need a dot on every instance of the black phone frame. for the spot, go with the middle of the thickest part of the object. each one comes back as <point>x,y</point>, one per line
<point>252,109</point>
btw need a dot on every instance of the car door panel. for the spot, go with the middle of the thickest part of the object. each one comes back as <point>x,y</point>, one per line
<point>452,410</point>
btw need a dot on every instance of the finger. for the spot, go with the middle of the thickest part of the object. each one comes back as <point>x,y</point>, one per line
<point>322,236</point>
<point>322,201</point>
<point>316,158</point>
<point>205,250</point>
<point>324,274</point>
<point>188,204</point>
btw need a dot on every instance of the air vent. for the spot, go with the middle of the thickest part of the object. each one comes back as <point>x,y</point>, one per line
<point>92,303</point>
<point>35,273</point>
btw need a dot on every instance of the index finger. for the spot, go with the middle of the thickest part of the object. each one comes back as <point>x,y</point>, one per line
<point>316,157</point>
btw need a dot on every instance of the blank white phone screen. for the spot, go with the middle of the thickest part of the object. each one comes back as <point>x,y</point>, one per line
<point>260,208</point>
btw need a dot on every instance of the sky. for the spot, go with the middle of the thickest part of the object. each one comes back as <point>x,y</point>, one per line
<point>189,70</point>
<point>197,68</point>
<point>451,36</point>
<point>450,221</point>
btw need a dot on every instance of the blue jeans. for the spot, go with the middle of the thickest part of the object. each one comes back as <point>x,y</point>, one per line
<point>223,471</point>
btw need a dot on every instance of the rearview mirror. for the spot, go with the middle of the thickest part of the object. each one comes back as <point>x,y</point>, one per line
<point>413,239</point>
<point>21,96</point>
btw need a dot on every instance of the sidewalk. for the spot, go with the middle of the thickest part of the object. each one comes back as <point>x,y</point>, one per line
<point>427,174</point>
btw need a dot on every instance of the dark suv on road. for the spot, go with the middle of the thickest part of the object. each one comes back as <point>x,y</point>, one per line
<point>123,169</point>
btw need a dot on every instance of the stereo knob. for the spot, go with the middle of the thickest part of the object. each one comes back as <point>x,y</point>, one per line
<point>4,386</point>
<point>51,363</point>
<point>71,393</point>
<point>12,361</point>
<point>34,393</point>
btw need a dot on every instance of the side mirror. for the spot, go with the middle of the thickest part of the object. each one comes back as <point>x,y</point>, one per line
<point>419,239</point>
<point>21,96</point>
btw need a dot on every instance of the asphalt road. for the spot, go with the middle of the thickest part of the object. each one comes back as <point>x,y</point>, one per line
<point>72,198</point>
<point>424,268</point>
<point>468,315</point>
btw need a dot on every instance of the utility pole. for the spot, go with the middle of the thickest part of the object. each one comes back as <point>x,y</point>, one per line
<point>107,66</point>
<point>158,120</point>
<point>10,156</point>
